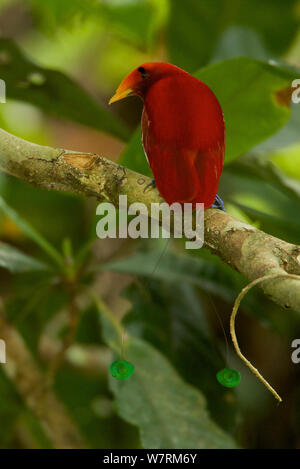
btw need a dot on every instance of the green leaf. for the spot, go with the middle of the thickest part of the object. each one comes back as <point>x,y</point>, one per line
<point>266,170</point>
<point>202,270</point>
<point>31,232</point>
<point>173,319</point>
<point>288,160</point>
<point>248,93</point>
<point>287,136</point>
<point>174,268</point>
<point>55,215</point>
<point>17,262</point>
<point>284,227</point>
<point>53,92</point>
<point>271,205</point>
<point>56,13</point>
<point>136,21</point>
<point>195,27</point>
<point>275,22</point>
<point>239,41</point>
<point>168,412</point>
<point>193,30</point>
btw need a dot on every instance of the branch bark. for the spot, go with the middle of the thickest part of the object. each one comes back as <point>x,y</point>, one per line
<point>246,249</point>
<point>41,400</point>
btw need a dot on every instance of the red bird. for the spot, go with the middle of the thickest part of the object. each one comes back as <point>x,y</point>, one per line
<point>183,132</point>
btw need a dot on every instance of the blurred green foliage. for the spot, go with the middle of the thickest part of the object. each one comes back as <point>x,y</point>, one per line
<point>64,59</point>
<point>172,414</point>
<point>52,91</point>
<point>205,21</point>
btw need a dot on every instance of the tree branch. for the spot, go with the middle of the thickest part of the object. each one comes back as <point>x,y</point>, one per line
<point>243,247</point>
<point>41,400</point>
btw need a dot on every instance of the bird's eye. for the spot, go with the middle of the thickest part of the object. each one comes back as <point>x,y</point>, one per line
<point>143,72</point>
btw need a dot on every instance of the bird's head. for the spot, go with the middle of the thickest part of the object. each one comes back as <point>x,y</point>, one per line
<point>141,78</point>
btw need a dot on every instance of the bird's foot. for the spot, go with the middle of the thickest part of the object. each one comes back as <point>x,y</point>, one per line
<point>218,203</point>
<point>151,184</point>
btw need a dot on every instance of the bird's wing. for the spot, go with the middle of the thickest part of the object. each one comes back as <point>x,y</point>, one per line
<point>209,165</point>
<point>174,173</point>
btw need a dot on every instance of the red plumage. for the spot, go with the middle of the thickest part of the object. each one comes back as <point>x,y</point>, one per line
<point>183,132</point>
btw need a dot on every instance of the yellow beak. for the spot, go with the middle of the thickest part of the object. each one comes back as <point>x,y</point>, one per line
<point>120,95</point>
